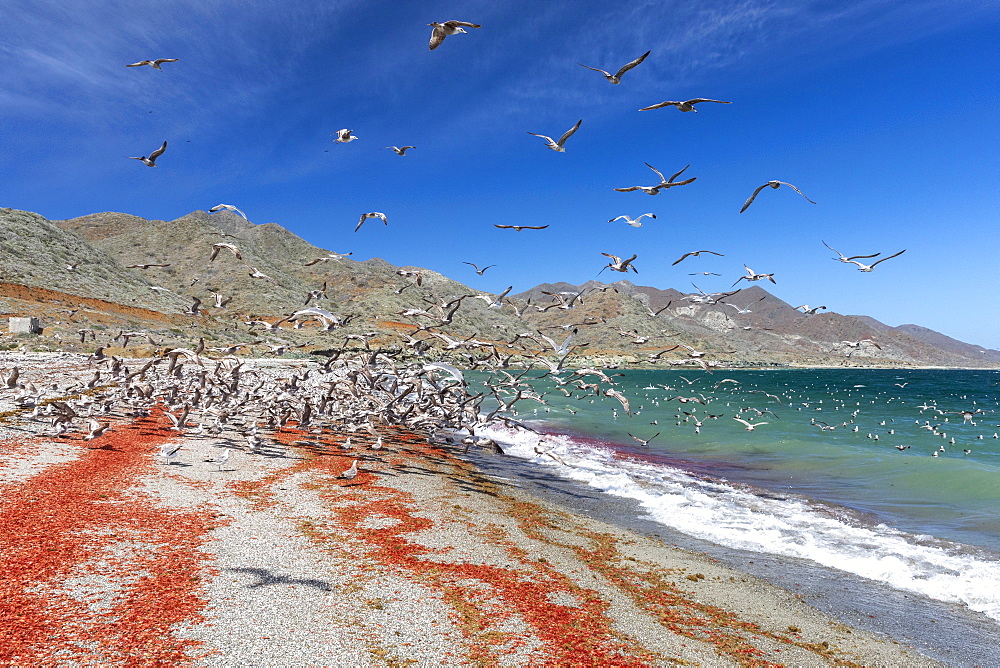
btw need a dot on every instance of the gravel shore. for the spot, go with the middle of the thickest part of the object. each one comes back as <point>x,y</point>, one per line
<point>114,555</point>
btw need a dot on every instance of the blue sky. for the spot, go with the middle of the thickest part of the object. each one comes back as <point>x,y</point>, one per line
<point>884,113</point>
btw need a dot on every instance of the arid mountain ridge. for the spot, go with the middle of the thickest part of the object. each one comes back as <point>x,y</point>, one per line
<point>51,268</point>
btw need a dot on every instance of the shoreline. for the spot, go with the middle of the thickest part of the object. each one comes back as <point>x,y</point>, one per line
<point>946,632</point>
<point>289,562</point>
<point>425,556</point>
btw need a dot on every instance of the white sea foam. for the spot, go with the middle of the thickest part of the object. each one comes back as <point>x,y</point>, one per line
<point>727,515</point>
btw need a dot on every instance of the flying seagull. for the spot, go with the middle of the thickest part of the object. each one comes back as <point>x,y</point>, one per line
<point>557,146</point>
<point>664,183</point>
<point>521,227</point>
<point>344,136</point>
<point>399,150</point>
<point>693,253</point>
<point>617,264</point>
<point>229,247</point>
<point>476,267</point>
<point>442,30</point>
<point>155,64</point>
<point>810,310</point>
<point>230,207</point>
<point>686,105</point>
<point>373,214</point>
<point>868,267</point>
<point>634,222</point>
<point>853,258</point>
<point>775,185</point>
<point>145,266</point>
<point>753,276</point>
<point>151,160</point>
<point>616,78</point>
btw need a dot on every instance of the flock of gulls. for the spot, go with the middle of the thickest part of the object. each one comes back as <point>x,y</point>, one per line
<point>363,391</point>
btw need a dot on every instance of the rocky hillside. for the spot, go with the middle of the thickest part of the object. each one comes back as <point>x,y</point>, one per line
<point>147,274</point>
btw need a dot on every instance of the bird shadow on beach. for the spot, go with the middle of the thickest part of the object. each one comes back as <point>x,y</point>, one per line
<point>267,577</point>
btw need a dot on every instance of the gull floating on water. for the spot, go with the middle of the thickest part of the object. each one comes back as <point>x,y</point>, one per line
<point>442,30</point>
<point>151,160</point>
<point>373,214</point>
<point>686,105</point>
<point>558,146</point>
<point>155,64</point>
<point>616,78</point>
<point>634,222</point>
<point>775,185</point>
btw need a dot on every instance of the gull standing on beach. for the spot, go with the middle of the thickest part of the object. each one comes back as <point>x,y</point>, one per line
<point>558,146</point>
<point>616,78</point>
<point>373,214</point>
<point>775,185</point>
<point>151,160</point>
<point>442,30</point>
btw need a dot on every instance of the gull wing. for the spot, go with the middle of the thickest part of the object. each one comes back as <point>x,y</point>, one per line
<point>889,258</point>
<point>660,105</point>
<point>626,68</point>
<point>798,191</point>
<point>607,74</point>
<point>158,152</point>
<point>752,197</point>
<point>569,133</point>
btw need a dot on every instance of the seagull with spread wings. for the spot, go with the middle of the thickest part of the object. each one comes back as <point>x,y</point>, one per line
<point>372,214</point>
<point>344,136</point>
<point>155,64</point>
<point>853,259</point>
<point>686,105</point>
<point>400,150</point>
<point>634,222</point>
<point>664,183</point>
<point>151,160</point>
<point>559,146</point>
<point>754,276</point>
<point>618,264</point>
<point>442,30</point>
<point>616,78</point>
<point>693,254</point>
<point>775,185</point>
<point>521,227</point>
<point>476,267</point>
<point>228,207</point>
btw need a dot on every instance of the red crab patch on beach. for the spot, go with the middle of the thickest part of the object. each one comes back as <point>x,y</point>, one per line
<point>94,569</point>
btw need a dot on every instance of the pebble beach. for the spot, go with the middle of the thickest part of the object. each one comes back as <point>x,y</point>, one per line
<point>115,555</point>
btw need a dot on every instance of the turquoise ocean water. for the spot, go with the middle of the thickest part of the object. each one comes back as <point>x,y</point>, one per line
<point>822,480</point>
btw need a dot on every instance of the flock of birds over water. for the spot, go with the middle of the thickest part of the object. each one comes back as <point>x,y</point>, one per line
<point>361,392</point>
